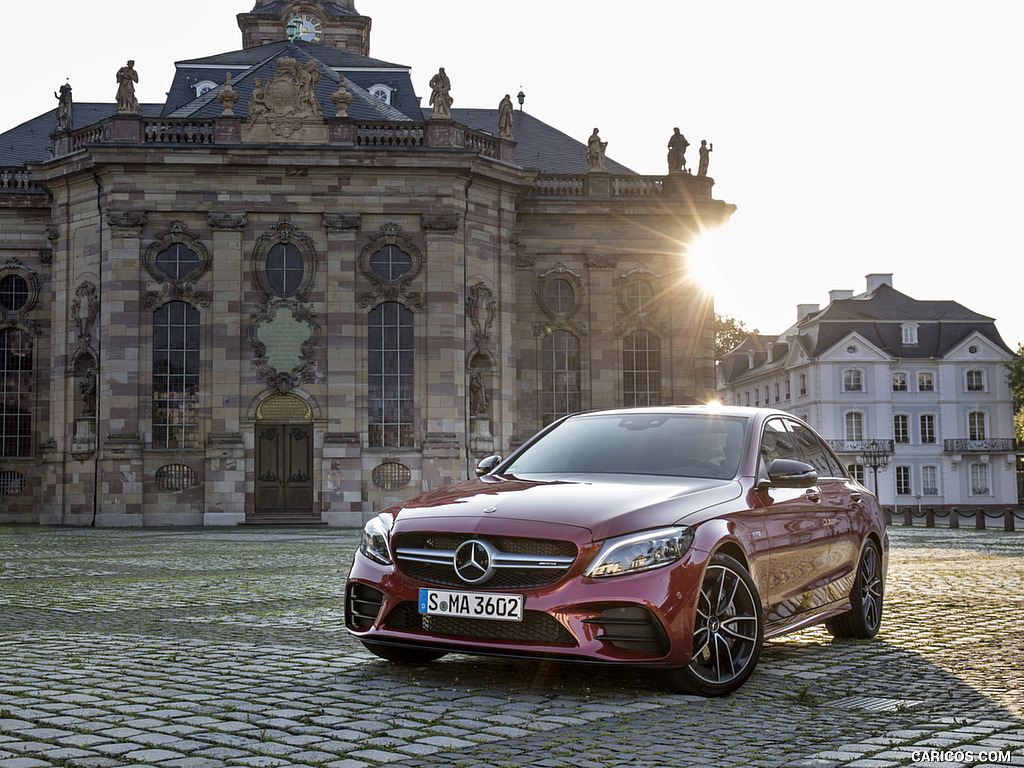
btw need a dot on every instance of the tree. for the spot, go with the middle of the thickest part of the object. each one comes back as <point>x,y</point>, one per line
<point>1015,375</point>
<point>728,333</point>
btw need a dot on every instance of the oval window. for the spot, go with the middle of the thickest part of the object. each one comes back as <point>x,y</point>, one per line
<point>285,269</point>
<point>175,477</point>
<point>391,476</point>
<point>13,292</point>
<point>390,263</point>
<point>177,262</point>
<point>560,296</point>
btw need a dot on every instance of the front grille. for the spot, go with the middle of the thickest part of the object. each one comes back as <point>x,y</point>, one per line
<point>631,628</point>
<point>362,606</point>
<point>535,627</point>
<point>532,563</point>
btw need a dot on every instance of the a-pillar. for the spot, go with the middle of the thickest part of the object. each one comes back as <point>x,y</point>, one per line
<point>225,449</point>
<point>118,399</point>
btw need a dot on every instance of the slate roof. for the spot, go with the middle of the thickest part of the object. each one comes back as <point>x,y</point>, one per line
<point>30,141</point>
<point>539,147</point>
<point>261,61</point>
<point>878,317</point>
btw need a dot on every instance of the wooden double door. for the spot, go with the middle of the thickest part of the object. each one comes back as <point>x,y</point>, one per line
<point>284,468</point>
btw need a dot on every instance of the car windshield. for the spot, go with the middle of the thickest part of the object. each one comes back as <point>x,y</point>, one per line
<point>678,445</point>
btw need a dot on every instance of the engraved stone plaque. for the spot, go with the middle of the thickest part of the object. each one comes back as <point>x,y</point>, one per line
<point>283,337</point>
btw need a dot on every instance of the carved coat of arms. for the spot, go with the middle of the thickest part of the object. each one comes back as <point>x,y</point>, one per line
<point>287,101</point>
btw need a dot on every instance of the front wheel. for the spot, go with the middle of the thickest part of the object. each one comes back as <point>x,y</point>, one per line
<point>865,615</point>
<point>400,654</point>
<point>727,633</point>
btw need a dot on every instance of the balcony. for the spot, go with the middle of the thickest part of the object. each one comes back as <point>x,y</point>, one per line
<point>992,445</point>
<point>861,446</point>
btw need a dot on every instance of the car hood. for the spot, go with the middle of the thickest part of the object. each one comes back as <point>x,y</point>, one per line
<point>606,507</point>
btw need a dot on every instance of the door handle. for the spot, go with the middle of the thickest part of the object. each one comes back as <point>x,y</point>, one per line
<point>856,497</point>
<point>813,494</point>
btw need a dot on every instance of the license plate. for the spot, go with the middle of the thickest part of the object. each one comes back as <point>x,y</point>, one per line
<point>471,605</point>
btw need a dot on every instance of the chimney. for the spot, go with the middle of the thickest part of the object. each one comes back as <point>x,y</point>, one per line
<point>805,310</point>
<point>839,295</point>
<point>877,279</point>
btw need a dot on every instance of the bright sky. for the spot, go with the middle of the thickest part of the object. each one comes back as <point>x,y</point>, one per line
<point>855,137</point>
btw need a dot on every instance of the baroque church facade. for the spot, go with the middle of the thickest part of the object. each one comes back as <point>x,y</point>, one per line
<point>291,293</point>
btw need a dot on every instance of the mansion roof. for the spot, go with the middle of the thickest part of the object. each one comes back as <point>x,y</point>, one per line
<point>878,317</point>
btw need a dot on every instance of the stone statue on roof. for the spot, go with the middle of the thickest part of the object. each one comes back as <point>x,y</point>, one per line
<point>677,152</point>
<point>65,118</point>
<point>705,157</point>
<point>595,152</point>
<point>505,118</point>
<point>127,77</point>
<point>440,100</point>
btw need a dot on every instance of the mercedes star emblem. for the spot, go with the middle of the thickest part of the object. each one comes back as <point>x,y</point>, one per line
<point>474,561</point>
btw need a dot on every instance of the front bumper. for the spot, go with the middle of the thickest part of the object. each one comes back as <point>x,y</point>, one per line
<point>645,618</point>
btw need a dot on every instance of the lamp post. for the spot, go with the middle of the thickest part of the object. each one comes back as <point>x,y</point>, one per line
<point>875,455</point>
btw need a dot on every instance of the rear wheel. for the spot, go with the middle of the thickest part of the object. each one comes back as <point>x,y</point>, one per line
<point>400,654</point>
<point>727,633</point>
<point>865,615</point>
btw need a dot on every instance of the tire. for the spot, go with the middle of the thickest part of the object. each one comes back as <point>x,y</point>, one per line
<point>728,631</point>
<point>400,654</point>
<point>864,618</point>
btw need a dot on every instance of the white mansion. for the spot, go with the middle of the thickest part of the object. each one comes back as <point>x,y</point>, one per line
<point>912,394</point>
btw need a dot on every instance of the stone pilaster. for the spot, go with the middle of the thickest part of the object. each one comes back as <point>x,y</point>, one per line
<point>443,404</point>
<point>341,492</point>
<point>225,489</point>
<point>605,356</point>
<point>119,396</point>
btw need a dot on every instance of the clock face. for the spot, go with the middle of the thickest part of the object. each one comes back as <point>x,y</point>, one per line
<point>305,26</point>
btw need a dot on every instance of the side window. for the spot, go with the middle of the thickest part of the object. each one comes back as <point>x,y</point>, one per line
<point>814,452</point>
<point>776,443</point>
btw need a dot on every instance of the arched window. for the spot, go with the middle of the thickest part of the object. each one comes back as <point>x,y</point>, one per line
<point>976,426</point>
<point>381,91</point>
<point>15,393</point>
<point>641,369</point>
<point>975,381</point>
<point>390,361</point>
<point>853,380</point>
<point>176,376</point>
<point>560,375</point>
<point>854,425</point>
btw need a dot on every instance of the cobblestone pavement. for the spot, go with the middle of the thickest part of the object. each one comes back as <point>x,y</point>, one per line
<point>196,649</point>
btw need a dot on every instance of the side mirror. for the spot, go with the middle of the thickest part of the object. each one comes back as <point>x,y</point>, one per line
<point>787,473</point>
<point>486,465</point>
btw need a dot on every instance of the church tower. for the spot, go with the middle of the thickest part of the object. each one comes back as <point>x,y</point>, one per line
<point>335,24</point>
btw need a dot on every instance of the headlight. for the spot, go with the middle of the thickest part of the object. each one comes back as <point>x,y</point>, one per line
<point>375,541</point>
<point>640,552</point>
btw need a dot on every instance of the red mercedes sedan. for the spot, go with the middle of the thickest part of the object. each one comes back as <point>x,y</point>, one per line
<point>677,538</point>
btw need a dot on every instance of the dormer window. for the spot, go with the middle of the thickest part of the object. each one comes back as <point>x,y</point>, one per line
<point>203,87</point>
<point>910,333</point>
<point>382,92</point>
